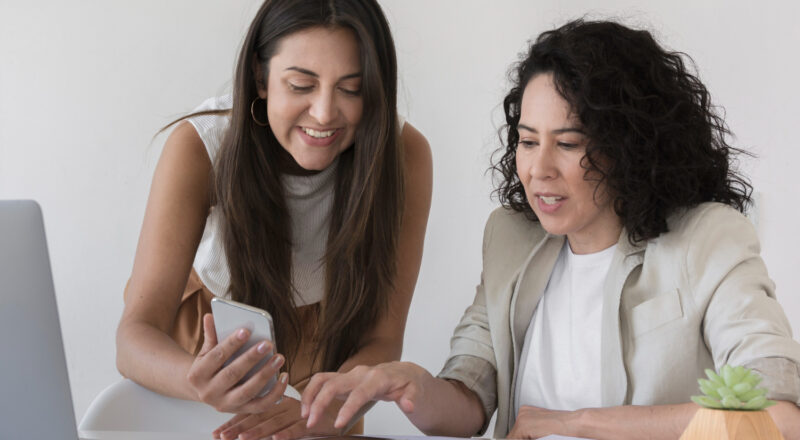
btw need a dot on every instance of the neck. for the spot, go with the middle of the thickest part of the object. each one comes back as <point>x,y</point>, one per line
<point>600,238</point>
<point>287,165</point>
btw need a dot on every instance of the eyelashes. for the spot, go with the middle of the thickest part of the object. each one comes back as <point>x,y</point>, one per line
<point>305,89</point>
<point>564,145</point>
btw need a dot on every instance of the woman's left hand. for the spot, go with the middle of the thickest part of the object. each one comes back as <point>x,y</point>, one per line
<point>533,422</point>
<point>283,422</point>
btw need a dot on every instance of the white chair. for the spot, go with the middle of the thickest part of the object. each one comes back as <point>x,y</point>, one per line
<point>126,410</point>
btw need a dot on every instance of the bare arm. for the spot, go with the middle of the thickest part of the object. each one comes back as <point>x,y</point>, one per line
<point>787,416</point>
<point>631,422</point>
<point>173,224</point>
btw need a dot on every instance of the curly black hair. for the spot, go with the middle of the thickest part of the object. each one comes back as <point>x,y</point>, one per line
<point>649,120</point>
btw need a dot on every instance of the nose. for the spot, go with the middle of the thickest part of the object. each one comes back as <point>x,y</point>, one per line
<point>323,107</point>
<point>542,164</point>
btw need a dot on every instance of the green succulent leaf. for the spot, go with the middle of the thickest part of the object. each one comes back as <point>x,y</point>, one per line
<point>714,377</point>
<point>741,388</point>
<point>753,393</point>
<point>731,402</point>
<point>732,388</point>
<point>724,391</point>
<point>707,402</point>
<point>728,375</point>
<point>755,402</point>
<point>708,388</point>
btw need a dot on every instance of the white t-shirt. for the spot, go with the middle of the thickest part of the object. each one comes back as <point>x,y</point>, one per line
<point>560,362</point>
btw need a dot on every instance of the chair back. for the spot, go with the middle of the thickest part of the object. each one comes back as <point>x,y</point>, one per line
<point>126,408</point>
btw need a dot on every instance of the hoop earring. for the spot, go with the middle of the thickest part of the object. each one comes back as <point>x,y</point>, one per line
<point>253,113</point>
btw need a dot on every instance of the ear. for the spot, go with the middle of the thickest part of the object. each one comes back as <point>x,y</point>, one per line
<point>261,80</point>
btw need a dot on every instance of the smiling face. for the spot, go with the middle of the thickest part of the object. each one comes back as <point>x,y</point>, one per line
<point>548,157</point>
<point>313,94</point>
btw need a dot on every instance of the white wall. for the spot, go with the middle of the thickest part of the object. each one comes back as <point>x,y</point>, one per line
<point>84,85</point>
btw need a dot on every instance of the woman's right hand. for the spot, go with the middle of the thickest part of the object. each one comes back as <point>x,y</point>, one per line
<point>399,382</point>
<point>217,384</point>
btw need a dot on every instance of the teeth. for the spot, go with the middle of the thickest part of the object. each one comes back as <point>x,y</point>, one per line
<point>550,200</point>
<point>318,134</point>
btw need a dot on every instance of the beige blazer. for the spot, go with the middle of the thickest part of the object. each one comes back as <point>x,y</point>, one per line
<point>695,297</point>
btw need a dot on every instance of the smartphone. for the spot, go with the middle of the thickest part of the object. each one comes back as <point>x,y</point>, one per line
<point>230,316</point>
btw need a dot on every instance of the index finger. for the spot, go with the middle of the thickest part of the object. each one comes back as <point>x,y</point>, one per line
<point>311,390</point>
<point>358,390</point>
<point>212,361</point>
<point>209,333</point>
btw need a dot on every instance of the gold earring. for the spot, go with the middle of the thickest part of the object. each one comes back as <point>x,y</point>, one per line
<point>253,113</point>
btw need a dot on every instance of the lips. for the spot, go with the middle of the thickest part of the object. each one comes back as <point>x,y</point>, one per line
<point>550,200</point>
<point>549,203</point>
<point>318,134</point>
<point>319,138</point>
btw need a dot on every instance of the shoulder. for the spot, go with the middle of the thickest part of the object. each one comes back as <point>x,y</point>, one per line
<point>706,216</point>
<point>211,120</point>
<point>184,149</point>
<point>510,234</point>
<point>416,149</point>
<point>708,234</point>
<point>707,222</point>
<point>418,161</point>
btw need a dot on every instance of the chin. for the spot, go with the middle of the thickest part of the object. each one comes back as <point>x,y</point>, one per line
<point>315,164</point>
<point>553,231</point>
<point>552,227</point>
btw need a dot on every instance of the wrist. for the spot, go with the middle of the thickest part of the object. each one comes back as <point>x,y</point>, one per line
<point>581,423</point>
<point>188,390</point>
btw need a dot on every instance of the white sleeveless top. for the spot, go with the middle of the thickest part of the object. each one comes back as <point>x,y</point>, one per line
<point>308,199</point>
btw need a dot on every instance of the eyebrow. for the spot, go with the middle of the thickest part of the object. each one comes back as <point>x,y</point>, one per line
<point>316,75</point>
<point>557,131</point>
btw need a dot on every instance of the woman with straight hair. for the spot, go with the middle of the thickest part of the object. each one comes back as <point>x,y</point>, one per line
<point>304,194</point>
<point>618,269</point>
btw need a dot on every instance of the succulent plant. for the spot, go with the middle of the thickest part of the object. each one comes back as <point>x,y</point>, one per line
<point>734,388</point>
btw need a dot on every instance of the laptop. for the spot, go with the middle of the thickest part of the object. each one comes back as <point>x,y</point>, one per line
<point>35,398</point>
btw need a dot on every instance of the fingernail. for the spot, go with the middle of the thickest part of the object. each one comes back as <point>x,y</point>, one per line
<point>277,361</point>
<point>242,334</point>
<point>284,378</point>
<point>262,347</point>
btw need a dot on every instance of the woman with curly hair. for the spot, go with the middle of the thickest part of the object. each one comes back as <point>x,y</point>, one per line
<point>618,269</point>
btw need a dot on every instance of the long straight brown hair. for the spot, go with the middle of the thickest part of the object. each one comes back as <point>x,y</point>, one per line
<point>360,261</point>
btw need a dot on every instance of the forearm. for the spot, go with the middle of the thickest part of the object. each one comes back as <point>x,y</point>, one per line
<point>374,352</point>
<point>634,422</point>
<point>787,417</point>
<point>446,408</point>
<point>149,357</point>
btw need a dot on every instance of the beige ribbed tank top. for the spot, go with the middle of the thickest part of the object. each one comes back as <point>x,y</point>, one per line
<point>309,200</point>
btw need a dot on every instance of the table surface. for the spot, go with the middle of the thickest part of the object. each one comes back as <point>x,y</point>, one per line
<point>123,435</point>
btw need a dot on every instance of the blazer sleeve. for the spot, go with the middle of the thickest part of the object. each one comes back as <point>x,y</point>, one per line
<point>743,323</point>
<point>472,357</point>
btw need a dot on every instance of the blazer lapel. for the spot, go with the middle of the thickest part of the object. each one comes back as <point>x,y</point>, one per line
<point>528,289</point>
<point>614,383</point>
